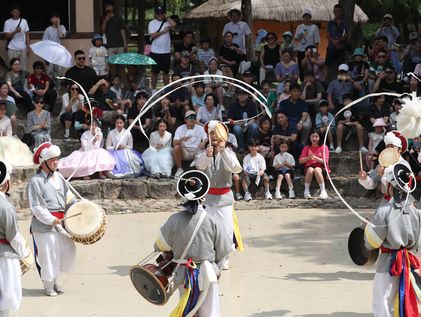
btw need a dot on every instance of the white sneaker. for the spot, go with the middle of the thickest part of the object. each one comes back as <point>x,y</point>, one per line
<point>268,195</point>
<point>338,150</point>
<point>291,194</point>
<point>247,197</point>
<point>50,292</point>
<point>307,195</point>
<point>331,148</point>
<point>179,173</point>
<point>363,150</point>
<point>278,195</point>
<point>323,195</point>
<point>226,265</point>
<point>238,196</point>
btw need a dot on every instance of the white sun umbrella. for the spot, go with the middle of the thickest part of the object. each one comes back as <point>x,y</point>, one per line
<point>53,53</point>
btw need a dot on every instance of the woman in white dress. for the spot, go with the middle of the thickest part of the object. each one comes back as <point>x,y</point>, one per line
<point>158,157</point>
<point>91,157</point>
<point>128,162</point>
<point>12,150</point>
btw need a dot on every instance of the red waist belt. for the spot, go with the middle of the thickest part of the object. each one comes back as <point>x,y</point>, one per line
<point>58,214</point>
<point>219,191</point>
<point>4,241</point>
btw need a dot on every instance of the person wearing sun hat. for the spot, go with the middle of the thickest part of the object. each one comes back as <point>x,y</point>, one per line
<point>49,196</point>
<point>12,248</point>
<point>389,30</point>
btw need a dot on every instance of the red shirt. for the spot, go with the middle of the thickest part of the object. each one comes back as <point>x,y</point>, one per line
<point>317,151</point>
<point>38,83</point>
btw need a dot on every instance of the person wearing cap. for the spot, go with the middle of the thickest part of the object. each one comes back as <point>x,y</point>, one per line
<point>338,35</point>
<point>239,29</point>
<point>306,34</point>
<point>189,141</point>
<point>339,87</point>
<point>185,68</point>
<point>159,31</point>
<point>12,248</point>
<point>204,54</point>
<point>322,121</point>
<point>107,100</point>
<point>209,247</point>
<point>39,84</point>
<point>269,56</point>
<point>242,115</point>
<point>219,163</point>
<point>287,41</point>
<point>389,30</point>
<point>81,73</point>
<point>16,30</point>
<point>359,71</point>
<point>187,45</point>
<point>38,122</point>
<point>71,102</point>
<point>374,138</point>
<point>313,62</point>
<point>55,32</point>
<point>98,56</point>
<point>395,230</point>
<point>387,82</point>
<point>49,196</point>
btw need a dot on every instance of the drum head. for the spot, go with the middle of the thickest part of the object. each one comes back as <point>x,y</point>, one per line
<point>388,157</point>
<point>359,254</point>
<point>85,224</point>
<point>148,285</point>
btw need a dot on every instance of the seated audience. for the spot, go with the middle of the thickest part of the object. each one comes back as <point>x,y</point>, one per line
<point>230,56</point>
<point>39,84</point>
<point>204,54</point>
<point>139,138</point>
<point>349,122</point>
<point>270,96</point>
<point>11,104</point>
<point>286,69</point>
<point>198,96</point>
<point>323,119</point>
<point>284,164</point>
<point>189,140</point>
<point>128,162</point>
<point>269,56</point>
<point>297,112</point>
<point>311,92</point>
<point>90,159</point>
<point>158,157</point>
<point>313,158</point>
<point>243,108</point>
<point>38,122</point>
<point>374,139</point>
<point>12,150</point>
<point>211,110</point>
<point>72,101</point>
<point>16,78</point>
<point>284,131</point>
<point>339,87</point>
<point>212,83</point>
<point>254,167</point>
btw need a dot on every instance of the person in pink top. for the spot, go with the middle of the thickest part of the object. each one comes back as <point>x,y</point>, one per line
<point>313,161</point>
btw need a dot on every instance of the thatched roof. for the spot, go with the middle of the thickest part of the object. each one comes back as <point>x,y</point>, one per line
<point>278,10</point>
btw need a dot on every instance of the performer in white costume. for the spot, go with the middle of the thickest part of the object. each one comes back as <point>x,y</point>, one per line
<point>220,163</point>
<point>49,197</point>
<point>12,248</point>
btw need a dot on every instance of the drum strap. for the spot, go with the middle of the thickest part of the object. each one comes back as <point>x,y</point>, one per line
<point>4,241</point>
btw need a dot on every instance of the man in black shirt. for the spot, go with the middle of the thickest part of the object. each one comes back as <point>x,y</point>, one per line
<point>107,101</point>
<point>284,130</point>
<point>230,55</point>
<point>386,82</point>
<point>186,45</point>
<point>84,75</point>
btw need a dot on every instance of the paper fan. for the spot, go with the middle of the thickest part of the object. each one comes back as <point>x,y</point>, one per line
<point>409,119</point>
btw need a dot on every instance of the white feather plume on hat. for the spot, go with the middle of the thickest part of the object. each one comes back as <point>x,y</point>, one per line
<point>409,119</point>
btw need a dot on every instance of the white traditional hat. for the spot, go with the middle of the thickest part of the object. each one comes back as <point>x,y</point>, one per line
<point>391,138</point>
<point>46,151</point>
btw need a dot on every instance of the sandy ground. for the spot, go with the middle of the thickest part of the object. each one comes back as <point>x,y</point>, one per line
<point>295,264</point>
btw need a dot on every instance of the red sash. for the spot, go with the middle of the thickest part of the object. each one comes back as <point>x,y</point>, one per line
<point>58,214</point>
<point>4,241</point>
<point>219,191</point>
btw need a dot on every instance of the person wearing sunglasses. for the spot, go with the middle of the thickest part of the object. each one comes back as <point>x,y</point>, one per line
<point>189,141</point>
<point>81,73</point>
<point>386,81</point>
<point>39,122</point>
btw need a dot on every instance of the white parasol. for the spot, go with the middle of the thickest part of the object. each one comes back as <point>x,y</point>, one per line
<point>53,53</point>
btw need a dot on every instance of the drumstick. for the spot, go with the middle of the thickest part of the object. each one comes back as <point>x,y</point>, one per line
<point>361,161</point>
<point>191,181</point>
<point>75,215</point>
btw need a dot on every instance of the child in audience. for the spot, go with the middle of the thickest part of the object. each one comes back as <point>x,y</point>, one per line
<point>374,138</point>
<point>323,118</point>
<point>286,93</point>
<point>397,106</point>
<point>284,164</point>
<point>313,157</point>
<point>254,167</point>
<point>204,54</point>
<point>98,56</point>
<point>198,96</point>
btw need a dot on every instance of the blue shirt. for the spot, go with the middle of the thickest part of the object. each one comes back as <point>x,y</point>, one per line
<point>237,112</point>
<point>336,31</point>
<point>294,111</point>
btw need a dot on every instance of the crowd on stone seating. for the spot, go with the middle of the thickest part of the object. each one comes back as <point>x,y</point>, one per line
<point>303,92</point>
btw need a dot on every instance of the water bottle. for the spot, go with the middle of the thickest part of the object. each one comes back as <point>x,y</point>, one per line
<point>245,117</point>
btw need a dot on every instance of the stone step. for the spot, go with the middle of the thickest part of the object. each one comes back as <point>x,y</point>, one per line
<point>146,188</point>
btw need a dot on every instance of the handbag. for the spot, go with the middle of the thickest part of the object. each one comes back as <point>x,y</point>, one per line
<point>9,40</point>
